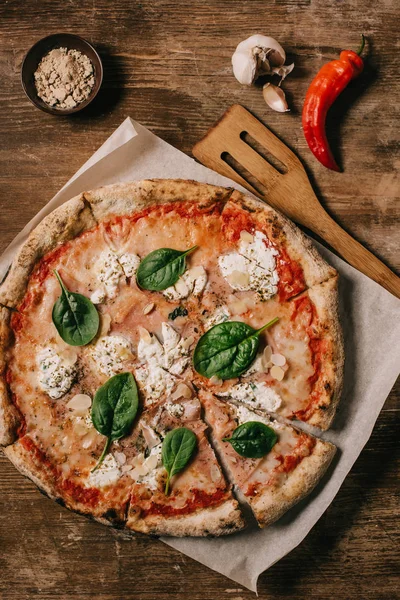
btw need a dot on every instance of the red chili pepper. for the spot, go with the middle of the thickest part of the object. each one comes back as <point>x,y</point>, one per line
<point>323,91</point>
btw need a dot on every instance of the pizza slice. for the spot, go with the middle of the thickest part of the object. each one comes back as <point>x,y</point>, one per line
<point>273,483</point>
<point>198,500</point>
<point>298,370</point>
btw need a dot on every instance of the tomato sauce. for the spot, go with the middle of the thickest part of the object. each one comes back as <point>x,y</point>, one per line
<point>199,499</point>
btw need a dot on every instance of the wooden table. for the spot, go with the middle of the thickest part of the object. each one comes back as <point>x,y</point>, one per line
<point>167,64</point>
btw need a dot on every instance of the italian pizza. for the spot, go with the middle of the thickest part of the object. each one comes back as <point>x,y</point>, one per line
<point>163,346</point>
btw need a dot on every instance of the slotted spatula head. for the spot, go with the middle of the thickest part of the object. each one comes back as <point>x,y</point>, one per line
<point>242,148</point>
<point>229,148</point>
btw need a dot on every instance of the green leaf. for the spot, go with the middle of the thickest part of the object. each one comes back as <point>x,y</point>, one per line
<point>252,439</point>
<point>114,409</point>
<point>177,449</point>
<point>161,268</point>
<point>228,349</point>
<point>179,311</point>
<point>75,317</point>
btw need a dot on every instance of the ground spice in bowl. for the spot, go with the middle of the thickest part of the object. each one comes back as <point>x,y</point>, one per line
<point>64,78</point>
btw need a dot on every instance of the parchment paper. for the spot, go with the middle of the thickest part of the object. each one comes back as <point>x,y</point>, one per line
<point>371,322</point>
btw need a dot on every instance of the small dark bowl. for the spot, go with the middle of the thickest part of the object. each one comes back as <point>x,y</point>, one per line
<point>39,50</point>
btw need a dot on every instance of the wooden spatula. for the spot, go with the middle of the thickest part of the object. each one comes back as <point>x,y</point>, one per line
<point>289,192</point>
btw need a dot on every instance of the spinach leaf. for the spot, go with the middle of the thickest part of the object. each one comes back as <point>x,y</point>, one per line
<point>252,439</point>
<point>177,449</point>
<point>114,409</point>
<point>179,311</point>
<point>161,268</point>
<point>227,349</point>
<point>75,317</point>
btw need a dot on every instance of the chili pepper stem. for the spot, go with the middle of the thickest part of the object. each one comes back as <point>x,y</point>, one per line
<point>362,45</point>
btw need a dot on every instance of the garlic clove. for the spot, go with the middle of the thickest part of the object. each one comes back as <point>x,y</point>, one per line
<point>283,71</point>
<point>255,56</point>
<point>275,97</point>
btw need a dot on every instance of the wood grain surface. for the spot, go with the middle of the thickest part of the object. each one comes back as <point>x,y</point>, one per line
<point>167,64</point>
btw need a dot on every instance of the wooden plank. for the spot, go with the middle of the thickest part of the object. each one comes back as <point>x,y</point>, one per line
<point>168,65</point>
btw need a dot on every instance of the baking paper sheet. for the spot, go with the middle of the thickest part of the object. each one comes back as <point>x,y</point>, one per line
<point>371,323</point>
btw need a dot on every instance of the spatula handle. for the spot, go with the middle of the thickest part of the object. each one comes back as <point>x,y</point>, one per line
<point>355,254</point>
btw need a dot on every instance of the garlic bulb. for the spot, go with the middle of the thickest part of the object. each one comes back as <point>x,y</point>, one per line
<point>255,56</point>
<point>275,97</point>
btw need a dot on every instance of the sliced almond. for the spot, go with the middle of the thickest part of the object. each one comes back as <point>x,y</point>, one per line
<point>87,442</point>
<point>141,469</point>
<point>216,380</point>
<point>182,391</point>
<point>278,359</point>
<point>277,373</point>
<point>267,354</point>
<point>80,403</point>
<point>182,288</point>
<point>120,457</point>
<point>69,357</point>
<point>148,308</point>
<point>215,473</point>
<point>126,468</point>
<point>245,236</point>
<point>239,278</point>
<point>144,335</point>
<point>80,429</point>
<point>137,460</point>
<point>196,272</point>
<point>105,324</point>
<point>237,308</point>
<point>151,462</point>
<point>187,342</point>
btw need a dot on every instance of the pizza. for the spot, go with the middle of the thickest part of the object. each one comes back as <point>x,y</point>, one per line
<point>163,343</point>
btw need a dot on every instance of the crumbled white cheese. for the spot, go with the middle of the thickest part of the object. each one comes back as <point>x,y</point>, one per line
<point>110,267</point>
<point>256,395</point>
<point>108,473</point>
<point>129,263</point>
<point>56,374</point>
<point>175,409</point>
<point>162,362</point>
<point>255,259</point>
<point>110,352</point>
<point>244,415</point>
<point>193,281</point>
<point>98,296</point>
<point>220,315</point>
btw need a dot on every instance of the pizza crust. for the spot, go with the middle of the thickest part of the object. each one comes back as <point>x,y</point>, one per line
<point>270,505</point>
<point>43,478</point>
<point>124,198</point>
<point>212,521</point>
<point>315,268</point>
<point>63,224</point>
<point>325,298</point>
<point>9,417</point>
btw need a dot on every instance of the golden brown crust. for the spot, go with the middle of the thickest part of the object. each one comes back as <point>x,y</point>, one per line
<point>9,418</point>
<point>125,198</point>
<point>63,224</point>
<point>300,247</point>
<point>211,521</point>
<point>271,504</point>
<point>325,299</point>
<point>42,476</point>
